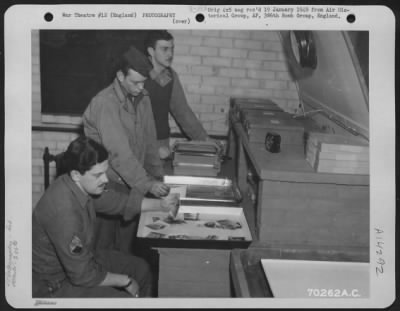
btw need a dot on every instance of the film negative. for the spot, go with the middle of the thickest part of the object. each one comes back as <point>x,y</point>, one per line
<point>331,64</point>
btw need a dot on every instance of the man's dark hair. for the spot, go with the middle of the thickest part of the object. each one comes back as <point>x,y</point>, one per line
<point>155,35</point>
<point>82,154</point>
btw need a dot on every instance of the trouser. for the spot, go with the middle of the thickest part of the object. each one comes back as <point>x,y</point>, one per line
<point>126,235</point>
<point>112,232</point>
<point>105,232</point>
<point>112,261</point>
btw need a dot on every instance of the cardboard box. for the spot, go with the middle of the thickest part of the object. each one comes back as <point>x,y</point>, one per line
<point>328,153</point>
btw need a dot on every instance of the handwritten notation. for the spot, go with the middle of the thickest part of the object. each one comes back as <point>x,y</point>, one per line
<point>11,266</point>
<point>379,250</point>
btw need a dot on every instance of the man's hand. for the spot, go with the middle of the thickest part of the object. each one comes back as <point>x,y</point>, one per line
<point>159,189</point>
<point>133,288</point>
<point>164,152</point>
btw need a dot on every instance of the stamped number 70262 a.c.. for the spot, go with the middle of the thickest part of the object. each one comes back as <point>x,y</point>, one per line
<point>322,292</point>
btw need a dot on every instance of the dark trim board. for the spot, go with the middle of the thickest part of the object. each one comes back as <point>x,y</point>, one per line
<point>79,130</point>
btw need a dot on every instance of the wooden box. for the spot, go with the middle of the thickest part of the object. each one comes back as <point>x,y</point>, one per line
<point>257,104</point>
<point>316,208</point>
<point>290,130</point>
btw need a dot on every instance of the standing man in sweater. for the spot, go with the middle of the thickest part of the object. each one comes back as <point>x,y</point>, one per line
<point>166,92</point>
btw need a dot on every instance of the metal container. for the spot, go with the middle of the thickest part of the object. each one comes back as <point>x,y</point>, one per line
<point>196,158</point>
<point>206,189</point>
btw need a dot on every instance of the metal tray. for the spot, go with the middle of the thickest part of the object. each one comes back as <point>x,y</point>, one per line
<point>196,226</point>
<point>196,148</point>
<point>206,188</point>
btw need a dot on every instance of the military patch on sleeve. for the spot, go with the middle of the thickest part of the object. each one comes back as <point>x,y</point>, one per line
<point>75,246</point>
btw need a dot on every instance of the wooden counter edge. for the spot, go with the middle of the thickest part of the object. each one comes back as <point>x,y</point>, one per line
<point>239,281</point>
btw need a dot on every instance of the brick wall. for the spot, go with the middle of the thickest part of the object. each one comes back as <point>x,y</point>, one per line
<point>55,141</point>
<point>213,66</point>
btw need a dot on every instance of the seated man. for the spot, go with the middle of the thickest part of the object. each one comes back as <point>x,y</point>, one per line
<point>64,262</point>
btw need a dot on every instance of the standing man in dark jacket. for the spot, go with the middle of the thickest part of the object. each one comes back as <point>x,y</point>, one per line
<point>120,117</point>
<point>64,262</point>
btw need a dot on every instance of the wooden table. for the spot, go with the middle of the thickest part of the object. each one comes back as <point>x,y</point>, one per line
<point>187,270</point>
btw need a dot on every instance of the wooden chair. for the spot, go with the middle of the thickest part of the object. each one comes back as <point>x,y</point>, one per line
<point>47,159</point>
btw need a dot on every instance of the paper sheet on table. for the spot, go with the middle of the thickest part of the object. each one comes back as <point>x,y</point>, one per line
<point>317,279</point>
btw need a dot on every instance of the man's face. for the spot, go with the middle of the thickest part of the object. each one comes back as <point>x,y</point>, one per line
<point>133,82</point>
<point>163,53</point>
<point>93,181</point>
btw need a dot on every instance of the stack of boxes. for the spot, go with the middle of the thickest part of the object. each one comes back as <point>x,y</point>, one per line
<point>329,153</point>
<point>196,158</point>
<point>261,116</point>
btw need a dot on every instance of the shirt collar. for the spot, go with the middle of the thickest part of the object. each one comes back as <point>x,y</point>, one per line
<point>82,198</point>
<point>123,95</point>
<point>163,77</point>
